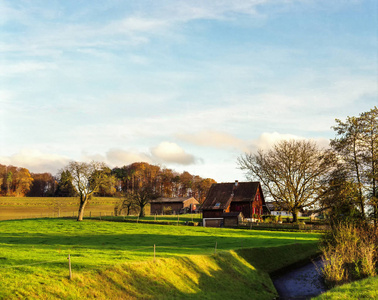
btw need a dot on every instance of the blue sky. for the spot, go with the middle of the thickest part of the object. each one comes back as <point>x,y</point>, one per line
<point>189,85</point>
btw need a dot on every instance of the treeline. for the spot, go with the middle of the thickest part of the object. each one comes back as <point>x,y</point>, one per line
<point>19,182</point>
<point>341,181</point>
<point>353,184</point>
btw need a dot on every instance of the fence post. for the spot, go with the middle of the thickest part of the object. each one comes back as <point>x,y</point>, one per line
<point>215,250</point>
<point>69,265</point>
<point>178,219</point>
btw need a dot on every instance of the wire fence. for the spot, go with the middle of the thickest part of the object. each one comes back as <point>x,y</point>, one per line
<point>207,249</point>
<point>103,214</point>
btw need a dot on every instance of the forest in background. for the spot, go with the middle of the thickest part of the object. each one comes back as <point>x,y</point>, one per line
<point>20,182</point>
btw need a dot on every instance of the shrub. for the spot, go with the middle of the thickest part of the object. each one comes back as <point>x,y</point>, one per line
<point>167,210</point>
<point>349,253</point>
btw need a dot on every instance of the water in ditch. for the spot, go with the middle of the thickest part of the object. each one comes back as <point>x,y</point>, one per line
<point>302,283</point>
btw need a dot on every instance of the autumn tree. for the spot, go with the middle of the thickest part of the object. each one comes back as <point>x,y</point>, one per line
<point>143,182</point>
<point>87,179</point>
<point>291,172</point>
<point>167,183</point>
<point>202,187</point>
<point>186,183</point>
<point>15,181</point>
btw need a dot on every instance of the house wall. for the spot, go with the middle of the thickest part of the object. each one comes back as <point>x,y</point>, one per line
<point>231,222</point>
<point>248,208</point>
<point>244,207</point>
<point>213,223</point>
<point>283,213</point>
<point>212,213</point>
<point>189,202</point>
<point>158,208</point>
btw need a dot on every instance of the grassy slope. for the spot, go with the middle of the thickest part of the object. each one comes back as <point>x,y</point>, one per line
<point>116,259</point>
<point>363,289</point>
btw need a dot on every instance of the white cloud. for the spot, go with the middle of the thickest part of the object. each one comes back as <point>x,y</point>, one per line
<point>5,96</point>
<point>134,24</point>
<point>119,157</point>
<point>36,161</point>
<point>168,152</point>
<point>24,67</point>
<point>215,139</point>
<point>267,139</point>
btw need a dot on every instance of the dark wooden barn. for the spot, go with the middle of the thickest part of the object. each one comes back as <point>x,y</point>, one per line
<point>239,197</point>
<point>173,205</point>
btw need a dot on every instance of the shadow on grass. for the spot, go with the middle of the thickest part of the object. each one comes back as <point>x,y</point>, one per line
<point>221,276</point>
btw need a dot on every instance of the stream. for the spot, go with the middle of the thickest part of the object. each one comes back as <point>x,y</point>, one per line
<point>302,283</point>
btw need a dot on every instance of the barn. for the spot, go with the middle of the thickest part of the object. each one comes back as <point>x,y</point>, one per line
<point>175,206</point>
<point>237,197</point>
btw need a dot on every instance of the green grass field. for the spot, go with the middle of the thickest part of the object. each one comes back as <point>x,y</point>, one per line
<point>363,289</point>
<point>33,257</point>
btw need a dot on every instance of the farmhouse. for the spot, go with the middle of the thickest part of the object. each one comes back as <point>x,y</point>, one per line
<point>227,200</point>
<point>277,209</point>
<point>173,205</point>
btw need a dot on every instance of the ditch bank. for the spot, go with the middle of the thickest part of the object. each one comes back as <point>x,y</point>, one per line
<point>302,282</point>
<point>239,274</point>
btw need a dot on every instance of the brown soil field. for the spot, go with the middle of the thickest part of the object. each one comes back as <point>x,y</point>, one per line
<point>38,207</point>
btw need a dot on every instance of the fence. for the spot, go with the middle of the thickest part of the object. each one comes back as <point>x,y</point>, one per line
<point>154,249</point>
<point>285,226</point>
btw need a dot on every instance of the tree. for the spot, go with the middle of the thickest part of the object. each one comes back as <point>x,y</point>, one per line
<point>87,179</point>
<point>127,203</point>
<point>15,181</point>
<point>342,197</point>
<point>369,124</point>
<point>65,187</point>
<point>142,196</point>
<point>22,181</point>
<point>292,173</point>
<point>356,145</point>
<point>348,146</point>
<point>43,185</point>
<point>202,188</point>
<point>186,183</point>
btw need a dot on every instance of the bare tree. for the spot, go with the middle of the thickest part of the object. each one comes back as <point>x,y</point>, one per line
<point>292,173</point>
<point>142,196</point>
<point>87,179</point>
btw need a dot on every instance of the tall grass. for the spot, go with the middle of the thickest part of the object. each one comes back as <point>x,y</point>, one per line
<point>349,253</point>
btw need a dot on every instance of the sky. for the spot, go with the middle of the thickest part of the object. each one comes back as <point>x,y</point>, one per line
<point>188,85</point>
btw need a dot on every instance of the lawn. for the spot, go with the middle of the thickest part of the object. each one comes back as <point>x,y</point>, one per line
<point>33,253</point>
<point>362,289</point>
